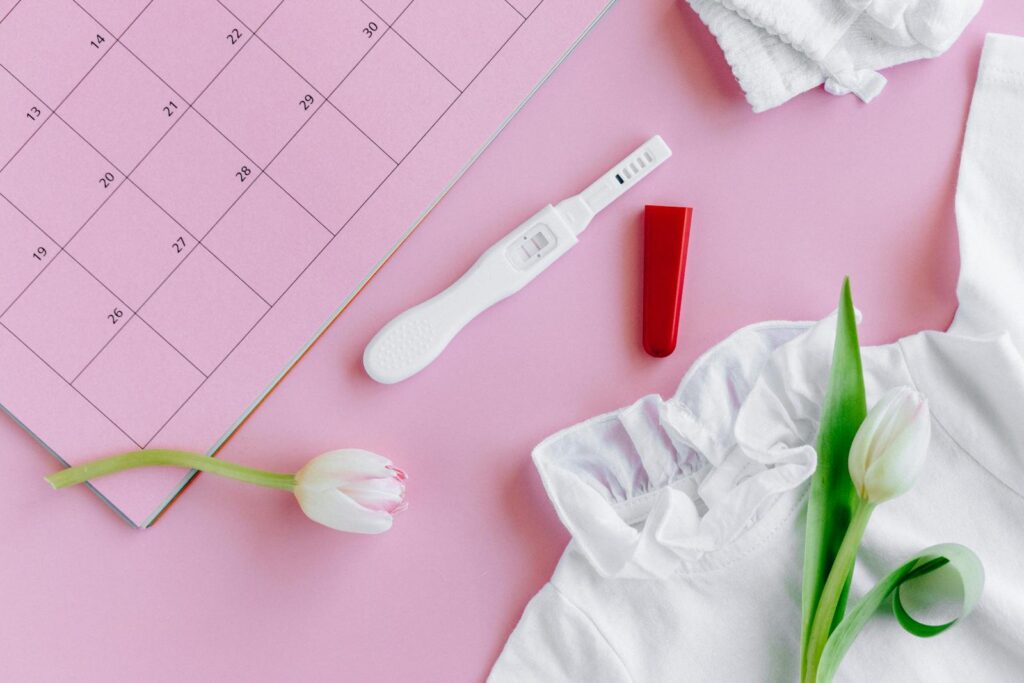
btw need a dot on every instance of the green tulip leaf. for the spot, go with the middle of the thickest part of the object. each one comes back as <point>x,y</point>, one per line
<point>832,496</point>
<point>963,579</point>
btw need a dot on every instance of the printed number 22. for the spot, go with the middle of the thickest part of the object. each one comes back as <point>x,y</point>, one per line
<point>234,36</point>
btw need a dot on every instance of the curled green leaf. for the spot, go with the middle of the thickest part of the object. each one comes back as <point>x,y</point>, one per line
<point>965,580</point>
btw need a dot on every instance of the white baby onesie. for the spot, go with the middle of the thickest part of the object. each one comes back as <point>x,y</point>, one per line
<point>687,514</point>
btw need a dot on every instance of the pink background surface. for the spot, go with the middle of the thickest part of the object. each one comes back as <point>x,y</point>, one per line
<point>233,583</point>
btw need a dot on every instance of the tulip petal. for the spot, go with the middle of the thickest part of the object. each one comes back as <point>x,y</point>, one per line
<point>334,509</point>
<point>896,472</point>
<point>376,494</point>
<point>347,464</point>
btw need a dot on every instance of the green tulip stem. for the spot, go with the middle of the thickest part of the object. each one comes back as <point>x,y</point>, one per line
<point>159,457</point>
<point>833,589</point>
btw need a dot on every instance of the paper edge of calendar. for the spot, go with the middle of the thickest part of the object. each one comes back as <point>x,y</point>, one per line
<point>595,10</point>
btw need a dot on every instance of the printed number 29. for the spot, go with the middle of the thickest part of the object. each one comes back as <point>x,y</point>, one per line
<point>306,102</point>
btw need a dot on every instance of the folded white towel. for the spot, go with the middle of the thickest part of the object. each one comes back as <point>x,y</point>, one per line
<point>780,48</point>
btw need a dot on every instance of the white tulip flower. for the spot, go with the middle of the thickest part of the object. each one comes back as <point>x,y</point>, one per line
<point>891,446</point>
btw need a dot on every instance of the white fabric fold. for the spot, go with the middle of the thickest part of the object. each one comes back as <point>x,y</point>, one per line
<point>778,49</point>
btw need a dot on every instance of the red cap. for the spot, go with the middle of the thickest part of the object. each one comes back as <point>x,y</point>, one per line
<point>666,233</point>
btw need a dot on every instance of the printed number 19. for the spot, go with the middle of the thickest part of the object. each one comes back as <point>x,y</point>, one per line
<point>39,253</point>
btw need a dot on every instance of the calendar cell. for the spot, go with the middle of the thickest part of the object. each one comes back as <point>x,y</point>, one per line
<point>212,34</point>
<point>258,79</point>
<point>388,10</point>
<point>482,27</point>
<point>139,381</point>
<point>114,15</point>
<point>203,310</point>
<point>267,239</point>
<point>251,12</point>
<point>66,316</point>
<point>195,174</point>
<point>323,41</point>
<point>58,163</point>
<point>394,96</point>
<point>21,115</point>
<point>26,252</point>
<point>50,68</point>
<point>131,245</point>
<point>331,168</point>
<point>122,108</point>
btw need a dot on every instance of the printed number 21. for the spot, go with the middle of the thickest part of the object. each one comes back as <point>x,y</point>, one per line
<point>170,108</point>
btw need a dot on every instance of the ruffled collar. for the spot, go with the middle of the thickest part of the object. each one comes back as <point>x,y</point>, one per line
<point>696,481</point>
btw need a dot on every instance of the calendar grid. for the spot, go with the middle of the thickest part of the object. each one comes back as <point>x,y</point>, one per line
<point>230,105</point>
<point>125,178</point>
<point>53,110</point>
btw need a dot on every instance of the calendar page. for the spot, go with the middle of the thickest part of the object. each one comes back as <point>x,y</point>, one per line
<point>192,190</point>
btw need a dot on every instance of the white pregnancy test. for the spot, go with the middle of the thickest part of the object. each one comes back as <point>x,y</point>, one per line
<point>416,337</point>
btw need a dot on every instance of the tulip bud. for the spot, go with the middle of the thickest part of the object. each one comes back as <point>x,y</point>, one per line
<point>351,490</point>
<point>891,445</point>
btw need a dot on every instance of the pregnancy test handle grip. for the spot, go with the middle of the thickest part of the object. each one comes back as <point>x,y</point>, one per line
<point>416,337</point>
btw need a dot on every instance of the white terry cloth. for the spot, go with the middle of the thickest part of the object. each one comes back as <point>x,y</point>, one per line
<point>687,514</point>
<point>778,49</point>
